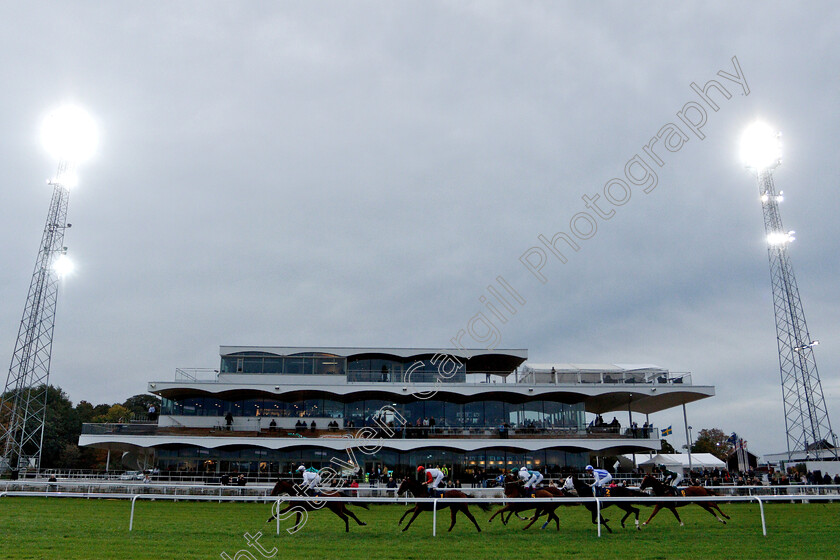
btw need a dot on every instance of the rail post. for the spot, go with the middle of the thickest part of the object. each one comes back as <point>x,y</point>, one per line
<point>598,513</point>
<point>276,514</point>
<point>434,518</point>
<point>131,519</point>
<point>761,509</point>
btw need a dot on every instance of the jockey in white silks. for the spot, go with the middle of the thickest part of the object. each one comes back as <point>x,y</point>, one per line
<point>602,478</point>
<point>530,478</point>
<point>311,478</point>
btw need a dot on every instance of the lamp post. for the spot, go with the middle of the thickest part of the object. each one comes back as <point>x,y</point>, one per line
<point>806,415</point>
<point>69,135</point>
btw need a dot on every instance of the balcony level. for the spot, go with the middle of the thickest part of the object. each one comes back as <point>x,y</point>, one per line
<point>146,436</point>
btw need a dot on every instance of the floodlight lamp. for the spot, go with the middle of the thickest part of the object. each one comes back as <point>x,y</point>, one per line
<point>760,147</point>
<point>63,266</point>
<point>68,179</point>
<point>780,237</point>
<point>69,134</point>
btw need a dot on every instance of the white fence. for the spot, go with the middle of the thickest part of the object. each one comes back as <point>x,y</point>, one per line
<point>599,502</point>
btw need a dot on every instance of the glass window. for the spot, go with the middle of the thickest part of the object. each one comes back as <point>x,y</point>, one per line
<point>313,408</point>
<point>533,413</point>
<point>435,409</point>
<point>252,365</point>
<point>333,409</point>
<point>250,407</point>
<point>355,413</point>
<point>329,366</point>
<point>169,407</point>
<point>228,365</point>
<point>474,414</point>
<point>236,408</point>
<point>273,365</point>
<point>193,406</point>
<point>453,415</point>
<point>373,408</point>
<point>293,366</point>
<point>214,406</point>
<point>515,415</point>
<point>414,410</point>
<point>495,413</point>
<point>273,407</point>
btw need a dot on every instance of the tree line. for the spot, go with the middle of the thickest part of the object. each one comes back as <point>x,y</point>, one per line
<point>63,426</point>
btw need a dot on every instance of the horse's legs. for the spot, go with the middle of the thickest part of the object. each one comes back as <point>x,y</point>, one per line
<point>498,511</point>
<point>417,511</point>
<point>338,509</point>
<point>406,513</point>
<point>629,509</point>
<point>279,513</point>
<point>469,516</point>
<point>660,506</point>
<point>452,511</point>
<point>595,520</point>
<point>708,507</point>
<point>656,509</point>
<point>349,513</point>
<point>714,505</point>
<point>537,514</point>
<point>510,514</point>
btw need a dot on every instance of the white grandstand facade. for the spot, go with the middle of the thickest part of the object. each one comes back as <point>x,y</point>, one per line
<point>477,412</point>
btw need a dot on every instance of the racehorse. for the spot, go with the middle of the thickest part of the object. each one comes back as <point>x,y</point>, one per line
<point>338,508</point>
<point>583,489</point>
<point>420,491</point>
<point>661,489</point>
<point>514,489</point>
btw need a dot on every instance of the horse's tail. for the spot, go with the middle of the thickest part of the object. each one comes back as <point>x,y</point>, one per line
<point>485,506</point>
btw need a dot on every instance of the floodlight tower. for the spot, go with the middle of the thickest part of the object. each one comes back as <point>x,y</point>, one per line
<point>806,416</point>
<point>70,136</point>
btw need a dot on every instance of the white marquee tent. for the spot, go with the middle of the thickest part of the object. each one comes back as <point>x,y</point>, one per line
<point>674,461</point>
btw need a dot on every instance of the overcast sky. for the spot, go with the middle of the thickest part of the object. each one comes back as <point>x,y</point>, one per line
<point>356,174</point>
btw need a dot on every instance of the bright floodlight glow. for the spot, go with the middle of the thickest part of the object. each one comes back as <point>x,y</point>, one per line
<point>69,179</point>
<point>760,147</point>
<point>69,133</point>
<point>63,266</point>
<point>780,237</point>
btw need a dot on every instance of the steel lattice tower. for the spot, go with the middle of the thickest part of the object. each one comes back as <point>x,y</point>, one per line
<point>806,416</point>
<point>23,404</point>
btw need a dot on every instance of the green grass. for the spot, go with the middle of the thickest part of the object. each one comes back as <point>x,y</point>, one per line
<point>78,528</point>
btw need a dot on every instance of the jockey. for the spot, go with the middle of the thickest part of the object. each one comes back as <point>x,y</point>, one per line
<point>433,478</point>
<point>602,478</point>
<point>530,478</point>
<point>670,477</point>
<point>311,478</point>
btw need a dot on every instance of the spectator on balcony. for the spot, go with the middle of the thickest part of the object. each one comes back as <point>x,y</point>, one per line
<point>312,426</point>
<point>272,427</point>
<point>229,420</point>
<point>152,413</point>
<point>615,427</point>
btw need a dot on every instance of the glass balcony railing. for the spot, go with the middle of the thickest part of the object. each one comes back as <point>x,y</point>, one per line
<point>396,432</point>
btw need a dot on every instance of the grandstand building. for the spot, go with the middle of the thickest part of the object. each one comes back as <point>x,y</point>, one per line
<point>268,409</point>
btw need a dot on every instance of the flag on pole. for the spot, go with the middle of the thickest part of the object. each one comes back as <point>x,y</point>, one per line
<point>666,431</point>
